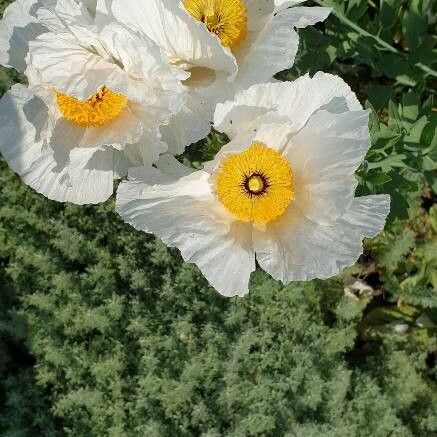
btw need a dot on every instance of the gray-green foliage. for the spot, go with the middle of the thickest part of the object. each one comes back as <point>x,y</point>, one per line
<point>130,341</point>
<point>105,331</point>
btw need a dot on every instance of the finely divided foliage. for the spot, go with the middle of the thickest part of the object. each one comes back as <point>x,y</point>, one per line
<point>105,331</point>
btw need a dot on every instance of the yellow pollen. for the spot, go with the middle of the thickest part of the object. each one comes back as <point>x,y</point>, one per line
<point>225,18</point>
<point>255,185</point>
<point>98,110</point>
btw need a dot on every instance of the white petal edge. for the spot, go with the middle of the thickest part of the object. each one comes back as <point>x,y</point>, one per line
<point>175,31</point>
<point>274,48</point>
<point>23,116</point>
<point>17,28</point>
<point>191,124</point>
<point>86,179</point>
<point>296,100</point>
<point>325,155</point>
<point>185,214</point>
<point>296,249</point>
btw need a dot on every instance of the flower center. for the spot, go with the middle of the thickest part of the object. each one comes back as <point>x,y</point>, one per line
<point>225,18</point>
<point>98,110</point>
<point>255,185</point>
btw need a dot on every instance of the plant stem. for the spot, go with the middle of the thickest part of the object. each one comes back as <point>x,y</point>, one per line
<point>380,41</point>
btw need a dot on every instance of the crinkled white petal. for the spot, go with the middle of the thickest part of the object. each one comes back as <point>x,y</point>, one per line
<point>87,178</point>
<point>90,5</point>
<point>23,118</point>
<point>237,145</point>
<point>67,16</point>
<point>17,28</point>
<point>205,89</point>
<point>324,156</point>
<point>176,32</point>
<point>151,77</point>
<point>296,100</point>
<point>249,118</point>
<point>258,13</point>
<point>77,70</point>
<point>171,167</point>
<point>185,214</point>
<point>270,130</point>
<point>127,128</point>
<point>145,152</point>
<point>260,56</point>
<point>191,124</point>
<point>72,69</point>
<point>282,4</point>
<point>296,249</point>
<point>304,16</point>
<point>103,14</point>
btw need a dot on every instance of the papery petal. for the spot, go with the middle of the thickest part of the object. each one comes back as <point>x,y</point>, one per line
<point>170,166</point>
<point>191,124</point>
<point>273,49</point>
<point>17,28</point>
<point>145,152</point>
<point>66,16</point>
<point>90,5</point>
<point>154,81</point>
<point>176,32</point>
<point>185,214</point>
<point>304,16</point>
<point>72,69</point>
<point>258,13</point>
<point>23,117</point>
<point>297,249</point>
<point>324,156</point>
<point>282,4</point>
<point>296,100</point>
<point>86,179</point>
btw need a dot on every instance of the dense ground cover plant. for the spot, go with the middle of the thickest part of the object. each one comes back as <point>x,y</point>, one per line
<point>104,331</point>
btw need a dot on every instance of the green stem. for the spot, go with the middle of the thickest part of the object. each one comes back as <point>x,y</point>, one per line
<point>380,41</point>
<point>426,69</point>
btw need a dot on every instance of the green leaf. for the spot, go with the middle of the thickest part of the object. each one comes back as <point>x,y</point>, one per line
<point>416,131</point>
<point>399,206</point>
<point>398,68</point>
<point>395,121</point>
<point>389,11</point>
<point>394,161</point>
<point>410,107</point>
<point>414,24</point>
<point>380,95</point>
<point>385,138</point>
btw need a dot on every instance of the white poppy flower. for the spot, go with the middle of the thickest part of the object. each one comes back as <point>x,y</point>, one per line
<point>96,99</point>
<point>225,45</point>
<point>281,192</point>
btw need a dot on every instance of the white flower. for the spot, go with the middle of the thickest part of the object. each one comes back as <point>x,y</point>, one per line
<point>225,45</point>
<point>98,93</point>
<point>281,192</point>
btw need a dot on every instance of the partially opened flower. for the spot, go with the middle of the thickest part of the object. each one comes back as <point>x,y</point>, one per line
<point>281,192</point>
<point>96,99</point>
<point>225,45</point>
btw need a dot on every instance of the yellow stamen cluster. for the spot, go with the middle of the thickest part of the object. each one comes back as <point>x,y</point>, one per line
<point>255,185</point>
<point>225,18</point>
<point>98,110</point>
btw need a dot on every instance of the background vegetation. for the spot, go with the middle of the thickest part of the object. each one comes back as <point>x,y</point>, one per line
<point>105,331</point>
